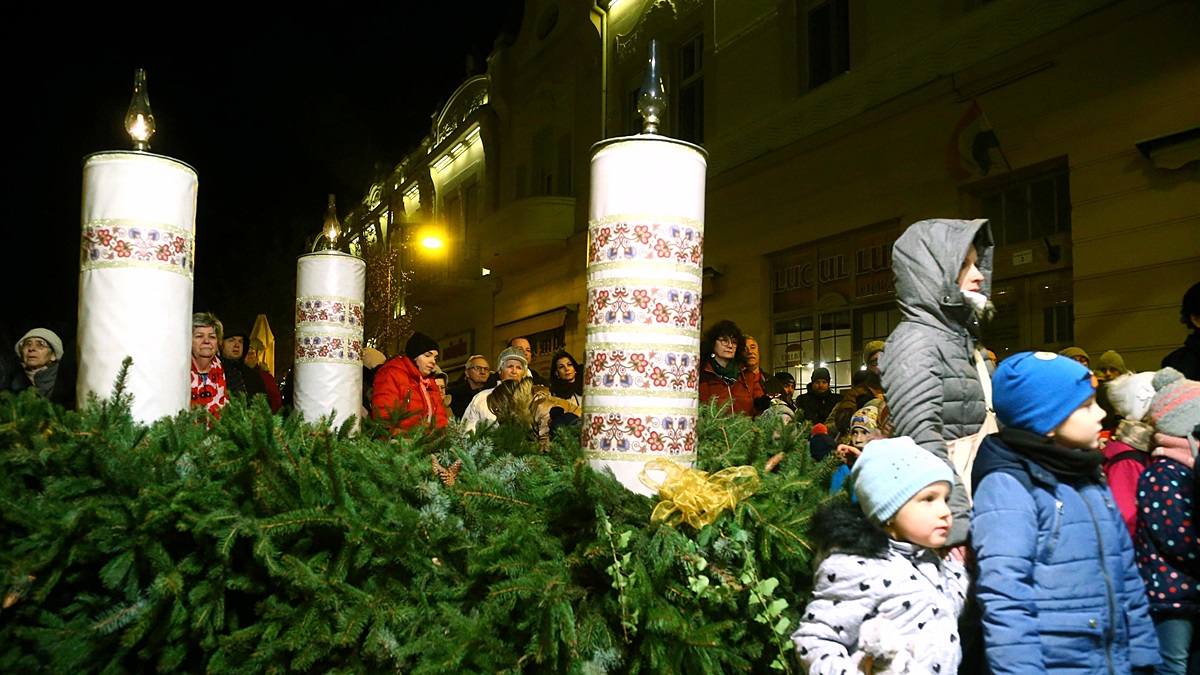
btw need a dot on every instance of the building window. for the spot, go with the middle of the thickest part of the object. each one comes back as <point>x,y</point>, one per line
<point>875,323</point>
<point>1031,209</point>
<point>828,40</point>
<point>1059,323</point>
<point>544,163</point>
<point>563,188</point>
<point>689,99</point>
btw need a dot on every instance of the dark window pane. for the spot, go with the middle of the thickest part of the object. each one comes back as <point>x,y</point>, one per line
<point>820,45</point>
<point>1048,323</point>
<point>1016,214</point>
<point>691,113</point>
<point>992,207</point>
<point>1041,207</point>
<point>1063,203</point>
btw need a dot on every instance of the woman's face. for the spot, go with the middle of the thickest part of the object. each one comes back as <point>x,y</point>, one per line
<point>725,348</point>
<point>512,370</point>
<point>204,342</point>
<point>426,362</point>
<point>36,353</point>
<point>566,371</point>
<point>969,276</point>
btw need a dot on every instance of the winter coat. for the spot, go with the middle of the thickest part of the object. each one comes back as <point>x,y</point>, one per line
<point>866,575</point>
<point>1057,582</point>
<point>1166,543</point>
<point>1122,470</point>
<point>929,376</point>
<point>55,382</point>
<point>816,407</point>
<point>744,392</point>
<point>1186,359</point>
<point>399,385</point>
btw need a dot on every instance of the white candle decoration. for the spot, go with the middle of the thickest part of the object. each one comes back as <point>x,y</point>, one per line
<point>329,335</point>
<point>644,276</point>
<point>135,280</point>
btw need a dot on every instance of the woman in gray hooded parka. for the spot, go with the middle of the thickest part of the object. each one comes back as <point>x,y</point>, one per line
<point>943,274</point>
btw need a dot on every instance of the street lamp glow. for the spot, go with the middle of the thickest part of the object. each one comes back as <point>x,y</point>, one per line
<point>432,242</point>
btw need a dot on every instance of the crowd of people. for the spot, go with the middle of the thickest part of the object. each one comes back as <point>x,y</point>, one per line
<point>1026,516</point>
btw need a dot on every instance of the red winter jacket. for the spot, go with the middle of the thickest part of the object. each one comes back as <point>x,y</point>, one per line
<point>741,391</point>
<point>399,385</point>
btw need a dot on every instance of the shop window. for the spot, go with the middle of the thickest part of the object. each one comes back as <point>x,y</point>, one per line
<point>689,99</point>
<point>836,351</point>
<point>1030,209</point>
<point>794,349</point>
<point>875,323</point>
<point>827,33</point>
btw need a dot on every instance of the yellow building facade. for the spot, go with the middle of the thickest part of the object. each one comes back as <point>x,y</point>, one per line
<point>830,126</point>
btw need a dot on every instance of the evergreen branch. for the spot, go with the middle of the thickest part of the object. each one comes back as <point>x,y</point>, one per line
<point>784,533</point>
<point>471,493</point>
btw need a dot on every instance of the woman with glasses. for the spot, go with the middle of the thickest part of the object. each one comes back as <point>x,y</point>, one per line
<point>40,352</point>
<point>723,374</point>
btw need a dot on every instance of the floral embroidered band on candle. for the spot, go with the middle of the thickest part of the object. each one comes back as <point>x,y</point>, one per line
<point>117,243</point>
<point>329,311</point>
<point>312,348</point>
<point>661,372</point>
<point>655,239</point>
<point>621,436</point>
<point>635,303</point>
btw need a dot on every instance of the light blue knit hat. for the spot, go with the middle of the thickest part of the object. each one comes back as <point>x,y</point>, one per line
<point>890,471</point>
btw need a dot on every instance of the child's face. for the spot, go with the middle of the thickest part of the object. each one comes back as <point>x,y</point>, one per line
<point>859,437</point>
<point>925,519</point>
<point>1082,429</point>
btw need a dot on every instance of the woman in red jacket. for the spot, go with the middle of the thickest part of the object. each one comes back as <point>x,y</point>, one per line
<point>723,375</point>
<point>405,392</point>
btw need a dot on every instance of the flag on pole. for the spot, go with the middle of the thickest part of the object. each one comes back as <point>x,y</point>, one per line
<point>974,150</point>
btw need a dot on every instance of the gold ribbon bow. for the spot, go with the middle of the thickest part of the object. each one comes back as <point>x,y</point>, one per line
<point>695,497</point>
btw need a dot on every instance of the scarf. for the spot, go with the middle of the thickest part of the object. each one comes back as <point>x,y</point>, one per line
<point>1134,434</point>
<point>209,389</point>
<point>728,372</point>
<point>1176,448</point>
<point>1067,464</point>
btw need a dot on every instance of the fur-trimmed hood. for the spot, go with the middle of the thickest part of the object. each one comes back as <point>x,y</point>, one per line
<point>841,527</point>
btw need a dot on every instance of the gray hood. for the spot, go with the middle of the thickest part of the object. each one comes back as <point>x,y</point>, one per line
<point>926,260</point>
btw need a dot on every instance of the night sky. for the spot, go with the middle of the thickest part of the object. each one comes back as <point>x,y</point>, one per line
<point>274,112</point>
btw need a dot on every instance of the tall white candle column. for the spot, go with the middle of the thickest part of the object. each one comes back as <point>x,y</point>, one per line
<point>135,279</point>
<point>329,335</point>
<point>644,275</point>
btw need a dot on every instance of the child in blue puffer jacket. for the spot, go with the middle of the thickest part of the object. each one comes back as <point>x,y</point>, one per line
<point>1057,582</point>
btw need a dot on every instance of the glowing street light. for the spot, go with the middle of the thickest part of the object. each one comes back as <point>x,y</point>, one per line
<point>139,121</point>
<point>432,241</point>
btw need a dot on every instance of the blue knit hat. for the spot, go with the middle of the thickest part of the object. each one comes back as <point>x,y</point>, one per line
<point>890,471</point>
<point>1037,391</point>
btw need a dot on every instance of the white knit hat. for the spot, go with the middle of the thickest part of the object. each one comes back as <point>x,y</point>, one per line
<point>46,334</point>
<point>1130,395</point>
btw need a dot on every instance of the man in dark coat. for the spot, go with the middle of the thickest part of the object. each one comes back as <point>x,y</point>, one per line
<point>819,401</point>
<point>1186,359</point>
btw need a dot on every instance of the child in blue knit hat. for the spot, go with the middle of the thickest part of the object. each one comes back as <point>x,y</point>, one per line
<point>885,599</point>
<point>1057,582</point>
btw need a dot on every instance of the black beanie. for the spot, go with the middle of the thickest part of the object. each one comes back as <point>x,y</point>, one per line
<point>418,344</point>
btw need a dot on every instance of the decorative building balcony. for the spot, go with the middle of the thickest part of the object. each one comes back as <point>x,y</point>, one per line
<point>526,232</point>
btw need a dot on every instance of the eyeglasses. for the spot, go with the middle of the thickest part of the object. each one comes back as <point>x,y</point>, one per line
<point>477,367</point>
<point>35,342</point>
<point>726,339</point>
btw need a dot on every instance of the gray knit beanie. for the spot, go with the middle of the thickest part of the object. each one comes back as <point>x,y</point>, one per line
<point>1175,410</point>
